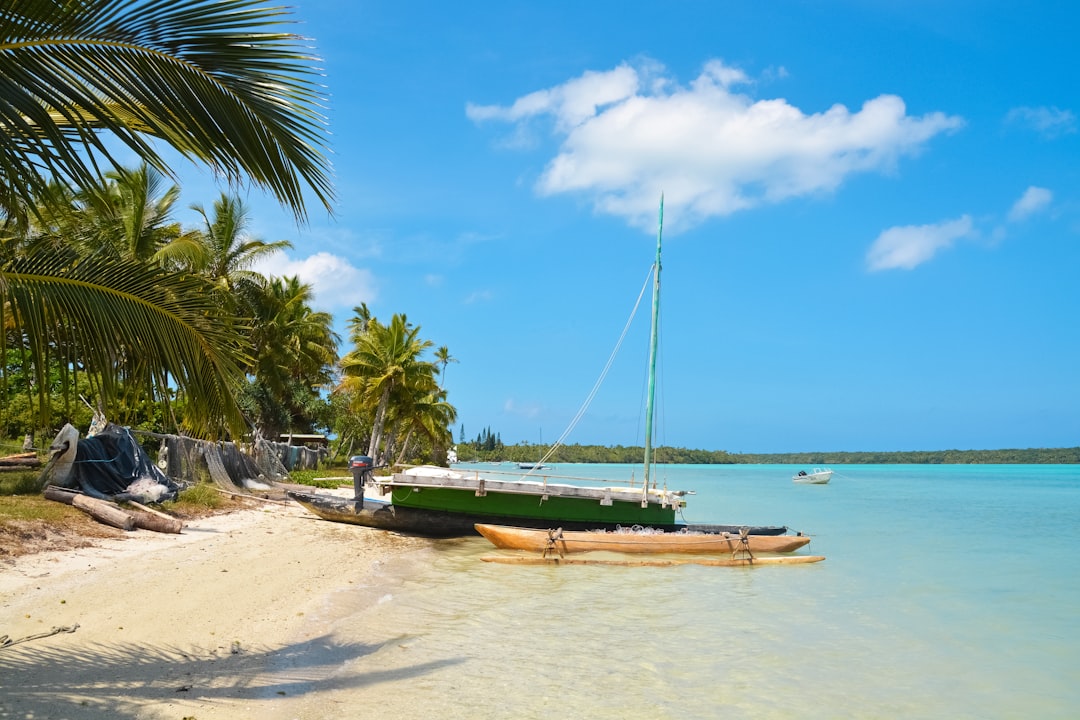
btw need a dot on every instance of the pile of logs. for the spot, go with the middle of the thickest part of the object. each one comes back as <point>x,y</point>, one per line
<point>112,514</point>
<point>22,461</point>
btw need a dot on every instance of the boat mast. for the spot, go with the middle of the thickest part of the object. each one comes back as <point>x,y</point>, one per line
<point>652,349</point>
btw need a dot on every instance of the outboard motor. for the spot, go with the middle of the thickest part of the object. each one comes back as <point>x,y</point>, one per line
<point>361,467</point>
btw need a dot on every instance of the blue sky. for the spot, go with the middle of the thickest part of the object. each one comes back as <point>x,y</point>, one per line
<point>871,229</point>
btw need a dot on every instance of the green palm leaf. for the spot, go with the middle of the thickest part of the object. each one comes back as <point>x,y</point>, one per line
<point>218,80</point>
<point>107,316</point>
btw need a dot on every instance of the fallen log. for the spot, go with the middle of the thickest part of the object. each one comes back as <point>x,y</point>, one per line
<point>104,512</point>
<point>21,455</point>
<point>152,511</point>
<point>19,468</point>
<point>59,494</point>
<point>144,518</point>
<point>158,522</point>
<point>17,461</point>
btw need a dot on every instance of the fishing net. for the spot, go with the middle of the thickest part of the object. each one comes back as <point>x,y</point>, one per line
<point>254,467</point>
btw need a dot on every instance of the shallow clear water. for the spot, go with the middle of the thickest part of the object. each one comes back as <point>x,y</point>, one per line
<point>948,592</point>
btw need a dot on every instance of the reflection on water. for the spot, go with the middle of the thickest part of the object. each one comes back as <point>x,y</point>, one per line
<point>931,573</point>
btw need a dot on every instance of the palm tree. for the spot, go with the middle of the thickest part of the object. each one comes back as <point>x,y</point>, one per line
<point>386,357</point>
<point>430,416</point>
<point>443,358</point>
<point>218,81</point>
<point>128,214</point>
<point>294,350</point>
<point>229,252</point>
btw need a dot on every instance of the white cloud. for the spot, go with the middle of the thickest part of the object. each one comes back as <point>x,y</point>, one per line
<point>1034,200</point>
<point>1047,121</point>
<point>336,283</point>
<point>478,296</point>
<point>909,246</point>
<point>629,134</point>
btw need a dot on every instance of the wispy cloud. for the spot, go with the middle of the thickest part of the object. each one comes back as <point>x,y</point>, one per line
<point>1050,122</point>
<point>510,407</point>
<point>907,247</point>
<point>1034,200</point>
<point>628,134</point>
<point>336,283</point>
<point>478,296</point>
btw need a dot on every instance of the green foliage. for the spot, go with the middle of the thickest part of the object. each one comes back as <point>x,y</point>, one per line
<point>321,478</point>
<point>480,450</point>
<point>389,394</point>
<point>200,495</point>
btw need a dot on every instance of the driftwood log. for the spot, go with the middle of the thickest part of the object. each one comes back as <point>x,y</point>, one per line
<point>112,514</point>
<point>166,523</point>
<point>21,461</point>
<point>104,512</point>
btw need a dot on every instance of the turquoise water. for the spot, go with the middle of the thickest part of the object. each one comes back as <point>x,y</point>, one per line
<point>948,592</point>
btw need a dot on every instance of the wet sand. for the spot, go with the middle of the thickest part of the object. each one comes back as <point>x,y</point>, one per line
<point>228,619</point>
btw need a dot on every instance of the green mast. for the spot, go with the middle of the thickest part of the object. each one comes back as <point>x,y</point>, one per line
<point>652,349</point>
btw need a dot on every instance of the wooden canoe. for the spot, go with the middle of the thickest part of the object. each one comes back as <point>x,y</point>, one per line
<point>561,542</point>
<point>653,562</point>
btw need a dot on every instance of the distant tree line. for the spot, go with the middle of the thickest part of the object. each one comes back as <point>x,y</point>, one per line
<point>487,450</point>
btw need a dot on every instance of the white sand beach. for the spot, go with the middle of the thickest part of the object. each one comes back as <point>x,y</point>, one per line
<point>225,620</point>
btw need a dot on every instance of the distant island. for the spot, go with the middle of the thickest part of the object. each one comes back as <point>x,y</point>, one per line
<point>497,452</point>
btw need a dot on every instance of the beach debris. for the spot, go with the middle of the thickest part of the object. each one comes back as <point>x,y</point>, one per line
<point>112,514</point>
<point>20,462</point>
<point>108,464</point>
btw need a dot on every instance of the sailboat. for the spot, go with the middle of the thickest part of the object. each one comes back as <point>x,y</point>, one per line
<point>442,501</point>
<point>561,541</point>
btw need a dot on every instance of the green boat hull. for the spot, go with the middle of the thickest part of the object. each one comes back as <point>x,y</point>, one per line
<point>554,509</point>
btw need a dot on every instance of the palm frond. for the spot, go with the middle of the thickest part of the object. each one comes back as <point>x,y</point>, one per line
<point>218,80</point>
<point>114,318</point>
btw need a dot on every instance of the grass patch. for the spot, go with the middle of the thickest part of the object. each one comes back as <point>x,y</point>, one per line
<point>20,482</point>
<point>200,495</point>
<point>31,507</point>
<point>30,524</point>
<point>329,478</point>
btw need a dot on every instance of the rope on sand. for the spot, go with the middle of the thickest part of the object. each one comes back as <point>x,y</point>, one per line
<point>6,641</point>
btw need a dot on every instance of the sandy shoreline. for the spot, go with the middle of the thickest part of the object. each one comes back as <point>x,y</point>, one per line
<point>225,620</point>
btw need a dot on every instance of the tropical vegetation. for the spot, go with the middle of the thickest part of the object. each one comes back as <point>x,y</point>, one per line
<point>106,300</point>
<point>486,450</point>
<point>386,370</point>
<point>89,289</point>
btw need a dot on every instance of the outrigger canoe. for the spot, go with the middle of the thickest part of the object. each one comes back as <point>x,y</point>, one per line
<point>654,562</point>
<point>627,541</point>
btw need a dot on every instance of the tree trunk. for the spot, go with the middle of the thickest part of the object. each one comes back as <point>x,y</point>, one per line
<point>405,446</point>
<point>377,425</point>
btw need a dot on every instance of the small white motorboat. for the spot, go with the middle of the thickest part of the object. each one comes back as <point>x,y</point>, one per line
<point>817,476</point>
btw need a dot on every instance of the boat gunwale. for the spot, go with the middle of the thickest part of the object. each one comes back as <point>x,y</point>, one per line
<point>530,487</point>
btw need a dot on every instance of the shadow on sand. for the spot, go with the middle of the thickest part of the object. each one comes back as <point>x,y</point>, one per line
<point>122,680</point>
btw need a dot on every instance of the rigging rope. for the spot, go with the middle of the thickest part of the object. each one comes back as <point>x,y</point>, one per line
<point>599,380</point>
